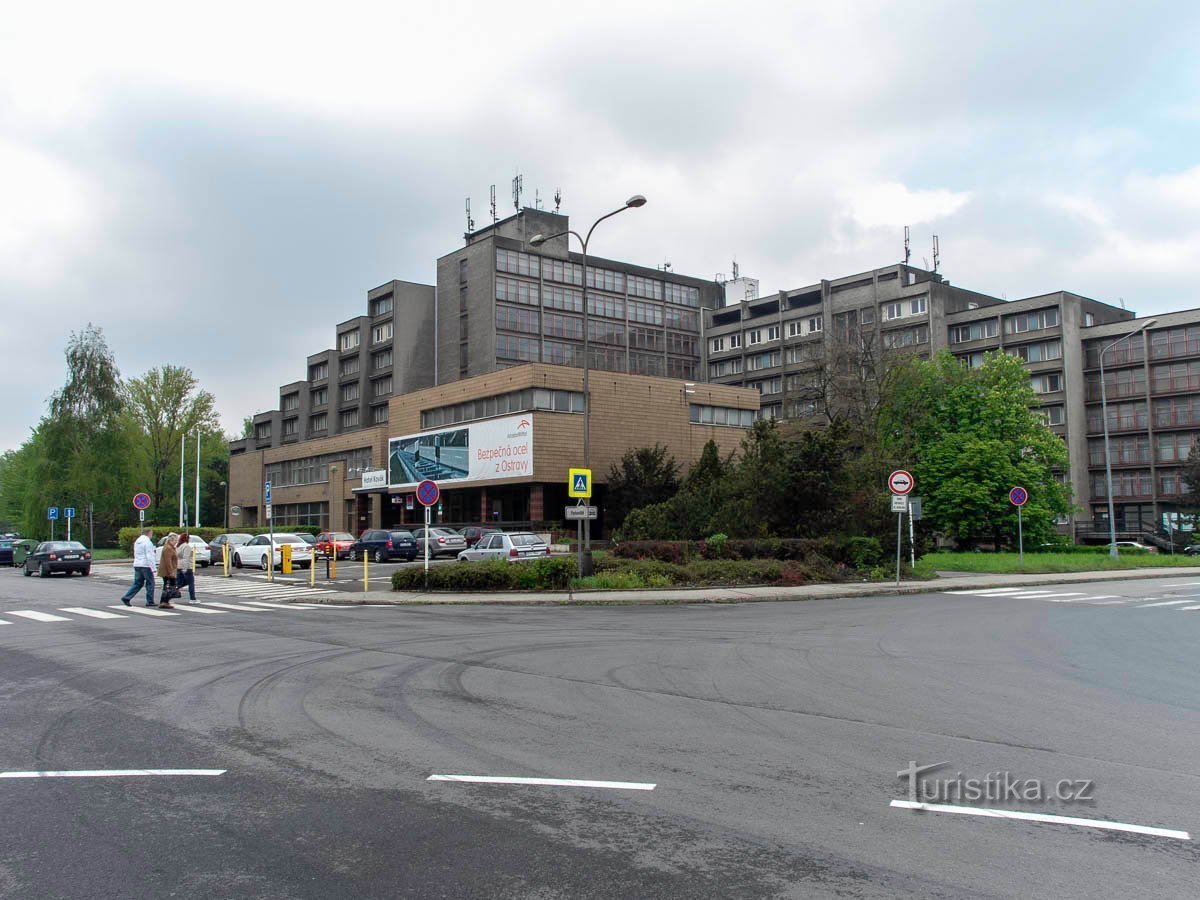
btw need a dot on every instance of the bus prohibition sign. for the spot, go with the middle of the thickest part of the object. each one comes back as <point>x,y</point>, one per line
<point>1018,496</point>
<point>900,481</point>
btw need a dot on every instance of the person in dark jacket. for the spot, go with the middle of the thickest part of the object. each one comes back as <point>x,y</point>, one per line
<point>168,567</point>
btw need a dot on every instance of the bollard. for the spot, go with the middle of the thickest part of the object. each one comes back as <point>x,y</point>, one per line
<point>312,569</point>
<point>333,563</point>
<point>366,574</point>
<point>225,558</point>
<point>285,561</point>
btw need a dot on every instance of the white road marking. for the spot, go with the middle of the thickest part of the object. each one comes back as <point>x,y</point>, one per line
<point>94,613</point>
<point>145,610</point>
<point>1164,603</point>
<point>1103,602</point>
<point>1034,594</point>
<point>285,605</point>
<point>197,608</point>
<point>236,606</point>
<point>111,773</point>
<point>1041,817</point>
<point>2,622</point>
<point>36,616</point>
<point>548,782</point>
<point>1067,594</point>
<point>1188,608</point>
<point>984,592</point>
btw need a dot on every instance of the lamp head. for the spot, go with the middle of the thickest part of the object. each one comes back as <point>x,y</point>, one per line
<point>635,201</point>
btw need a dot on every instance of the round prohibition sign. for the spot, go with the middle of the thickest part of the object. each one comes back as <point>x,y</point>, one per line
<point>1018,495</point>
<point>428,493</point>
<point>141,501</point>
<point>900,481</point>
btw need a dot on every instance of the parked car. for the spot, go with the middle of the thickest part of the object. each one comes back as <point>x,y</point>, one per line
<point>1192,549</point>
<point>204,556</point>
<point>59,556</point>
<point>514,547</point>
<point>6,552</point>
<point>258,550</point>
<point>233,539</point>
<point>472,533</point>
<point>335,541</point>
<point>382,544</point>
<point>1135,545</point>
<point>442,542</point>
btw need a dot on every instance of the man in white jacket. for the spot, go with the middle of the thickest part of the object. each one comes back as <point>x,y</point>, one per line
<point>143,568</point>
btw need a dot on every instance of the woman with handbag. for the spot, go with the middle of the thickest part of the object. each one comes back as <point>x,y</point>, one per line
<point>186,576</point>
<point>168,567</point>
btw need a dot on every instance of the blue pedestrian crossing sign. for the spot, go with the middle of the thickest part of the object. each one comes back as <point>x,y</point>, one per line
<point>52,513</point>
<point>579,484</point>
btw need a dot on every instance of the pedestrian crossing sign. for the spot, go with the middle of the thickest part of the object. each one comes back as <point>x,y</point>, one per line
<point>580,483</point>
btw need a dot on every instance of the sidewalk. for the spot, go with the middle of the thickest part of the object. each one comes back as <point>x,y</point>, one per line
<point>745,594</point>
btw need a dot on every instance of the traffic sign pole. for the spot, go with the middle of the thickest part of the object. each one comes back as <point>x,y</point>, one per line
<point>270,532</point>
<point>1020,541</point>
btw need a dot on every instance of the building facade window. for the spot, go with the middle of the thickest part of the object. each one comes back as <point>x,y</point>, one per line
<point>381,306</point>
<point>526,400</point>
<point>319,422</point>
<point>350,418</point>
<point>562,271</point>
<point>509,346</point>
<point>382,359</point>
<point>381,333</point>
<point>649,313</point>
<point>684,295</point>
<point>650,288</point>
<point>286,515</point>
<point>381,387</point>
<point>262,431</point>
<point>645,338</point>
<point>761,361</point>
<point>754,337</point>
<point>604,305</point>
<point>646,363</point>
<point>566,299</point>
<point>1031,321</point>
<point>725,368</point>
<point>1174,447</point>
<point>1171,342</point>
<point>349,392</point>
<point>319,397</point>
<point>348,367</point>
<point>906,337</point>
<point>514,291</point>
<point>318,371</point>
<point>608,280</point>
<point>1176,411</point>
<point>515,318</point>
<point>1054,415</point>
<point>605,332</point>
<point>1121,417</point>
<point>1049,383</point>
<point>1037,352</point>
<point>290,403</point>
<point>517,263</point>
<point>772,332</point>
<point>348,340</point>
<point>681,368</point>
<point>720,415</point>
<point>974,331</point>
<point>379,414</point>
<point>1173,378</point>
<point>291,427</point>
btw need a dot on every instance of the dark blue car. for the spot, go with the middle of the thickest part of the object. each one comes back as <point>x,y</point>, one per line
<point>383,545</point>
<point>6,552</point>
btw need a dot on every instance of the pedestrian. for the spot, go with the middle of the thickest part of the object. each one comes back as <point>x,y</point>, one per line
<point>143,567</point>
<point>168,566</point>
<point>187,567</point>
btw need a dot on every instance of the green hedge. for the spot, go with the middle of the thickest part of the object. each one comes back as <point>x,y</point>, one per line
<point>492,575</point>
<point>127,536</point>
<point>855,552</point>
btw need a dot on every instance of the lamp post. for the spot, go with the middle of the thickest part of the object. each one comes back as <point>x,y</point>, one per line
<point>1108,485</point>
<point>637,200</point>
<point>225,518</point>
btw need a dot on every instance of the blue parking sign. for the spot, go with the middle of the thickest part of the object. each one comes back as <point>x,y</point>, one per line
<point>52,513</point>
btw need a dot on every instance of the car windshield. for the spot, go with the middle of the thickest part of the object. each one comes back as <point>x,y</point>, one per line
<point>343,536</point>
<point>445,532</point>
<point>402,536</point>
<point>287,539</point>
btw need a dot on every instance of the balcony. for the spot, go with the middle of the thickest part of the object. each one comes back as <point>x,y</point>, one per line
<point>1175,384</point>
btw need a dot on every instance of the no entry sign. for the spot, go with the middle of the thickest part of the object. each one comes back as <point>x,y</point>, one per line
<point>900,481</point>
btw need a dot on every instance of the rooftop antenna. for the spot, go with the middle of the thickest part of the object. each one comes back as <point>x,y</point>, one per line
<point>907,246</point>
<point>735,270</point>
<point>518,186</point>
<point>667,266</point>
<point>493,204</point>
<point>557,199</point>
<point>936,254</point>
<point>470,221</point>
<point>537,199</point>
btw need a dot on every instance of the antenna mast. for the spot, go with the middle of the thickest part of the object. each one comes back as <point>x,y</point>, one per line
<point>518,186</point>
<point>907,247</point>
<point>936,255</point>
<point>493,204</point>
<point>470,221</point>
<point>557,199</point>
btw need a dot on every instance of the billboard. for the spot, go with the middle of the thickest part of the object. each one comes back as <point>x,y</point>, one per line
<point>479,451</point>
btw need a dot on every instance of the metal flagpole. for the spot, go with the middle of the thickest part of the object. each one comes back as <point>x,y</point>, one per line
<point>182,469</point>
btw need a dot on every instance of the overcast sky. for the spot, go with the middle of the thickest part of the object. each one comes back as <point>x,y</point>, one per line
<point>217,185</point>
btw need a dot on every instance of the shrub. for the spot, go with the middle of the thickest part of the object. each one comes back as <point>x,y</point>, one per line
<point>491,575</point>
<point>863,552</point>
<point>714,547</point>
<point>665,551</point>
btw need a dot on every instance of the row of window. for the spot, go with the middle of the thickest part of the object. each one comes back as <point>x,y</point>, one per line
<point>285,515</point>
<point>515,263</point>
<point>902,309</point>
<point>1134,449</point>
<point>1039,351</point>
<point>512,290</point>
<point>906,337</point>
<point>795,328</point>
<point>502,404</point>
<point>1139,484</point>
<point>1131,415</point>
<point>720,415</point>
<point>315,469</point>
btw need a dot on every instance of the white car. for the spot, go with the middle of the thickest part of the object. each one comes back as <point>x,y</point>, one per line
<point>257,550</point>
<point>1135,545</point>
<point>511,547</point>
<point>199,546</point>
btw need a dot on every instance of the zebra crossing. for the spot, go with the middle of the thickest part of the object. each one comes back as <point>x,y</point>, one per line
<point>139,611</point>
<point>241,588</point>
<point>1084,598</point>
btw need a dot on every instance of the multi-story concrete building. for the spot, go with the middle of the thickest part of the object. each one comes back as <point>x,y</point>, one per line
<point>780,346</point>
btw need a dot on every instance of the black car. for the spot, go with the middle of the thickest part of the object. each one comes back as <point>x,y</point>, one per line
<point>382,545</point>
<point>6,552</point>
<point>59,556</point>
<point>1192,549</point>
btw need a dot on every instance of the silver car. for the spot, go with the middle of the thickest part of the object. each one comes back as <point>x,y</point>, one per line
<point>513,547</point>
<point>442,542</point>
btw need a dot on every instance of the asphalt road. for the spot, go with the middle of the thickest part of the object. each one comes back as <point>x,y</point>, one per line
<point>773,734</point>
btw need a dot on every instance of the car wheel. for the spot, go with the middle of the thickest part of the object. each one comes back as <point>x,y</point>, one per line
<point>354,556</point>
<point>237,561</point>
<point>43,571</point>
<point>28,571</point>
<point>379,557</point>
<point>86,572</point>
<point>263,564</point>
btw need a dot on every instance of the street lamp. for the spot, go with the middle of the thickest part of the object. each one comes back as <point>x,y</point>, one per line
<point>1112,521</point>
<point>634,202</point>
<point>225,485</point>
